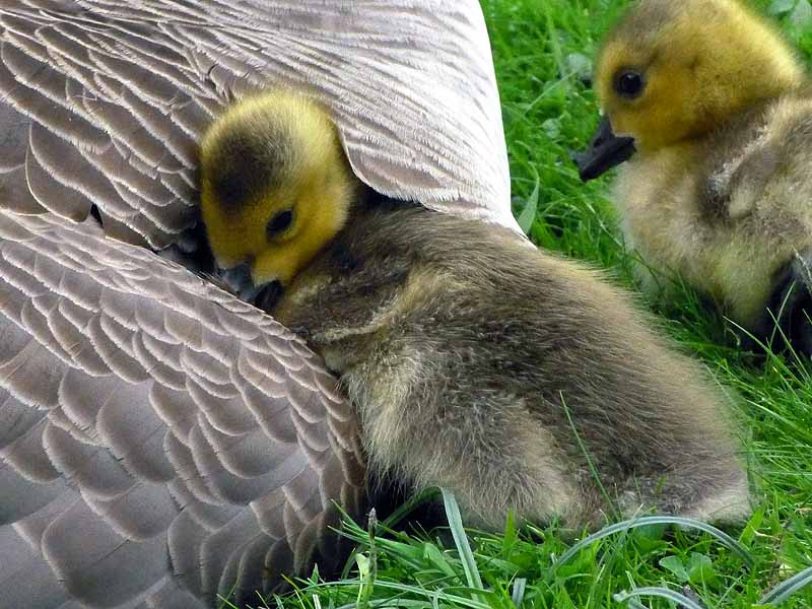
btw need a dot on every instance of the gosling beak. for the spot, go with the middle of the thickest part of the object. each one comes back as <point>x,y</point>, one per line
<point>606,150</point>
<point>238,280</point>
<point>268,295</point>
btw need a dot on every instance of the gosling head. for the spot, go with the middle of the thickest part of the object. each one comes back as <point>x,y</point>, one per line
<point>671,71</point>
<point>275,185</point>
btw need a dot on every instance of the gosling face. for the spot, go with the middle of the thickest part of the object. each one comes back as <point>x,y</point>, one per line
<point>275,185</point>
<point>670,72</point>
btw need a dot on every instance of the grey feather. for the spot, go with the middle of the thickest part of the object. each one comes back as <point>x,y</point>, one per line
<point>134,84</point>
<point>111,462</point>
<point>161,442</point>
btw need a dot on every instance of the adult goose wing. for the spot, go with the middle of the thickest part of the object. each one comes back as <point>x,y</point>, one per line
<point>103,101</point>
<point>161,443</point>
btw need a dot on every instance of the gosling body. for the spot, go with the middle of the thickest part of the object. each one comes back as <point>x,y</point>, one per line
<point>732,214</point>
<point>719,190</point>
<point>517,380</point>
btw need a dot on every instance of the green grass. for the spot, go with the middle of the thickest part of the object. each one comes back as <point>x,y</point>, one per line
<point>542,50</point>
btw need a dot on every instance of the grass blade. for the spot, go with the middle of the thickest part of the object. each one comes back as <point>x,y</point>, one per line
<point>528,215</point>
<point>787,588</point>
<point>519,587</point>
<point>447,595</point>
<point>723,538</point>
<point>681,600</point>
<point>452,511</point>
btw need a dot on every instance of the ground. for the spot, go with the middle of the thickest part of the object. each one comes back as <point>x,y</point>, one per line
<point>542,51</point>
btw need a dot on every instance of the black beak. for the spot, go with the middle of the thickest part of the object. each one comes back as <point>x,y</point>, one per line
<point>268,296</point>
<point>606,150</point>
<point>238,279</point>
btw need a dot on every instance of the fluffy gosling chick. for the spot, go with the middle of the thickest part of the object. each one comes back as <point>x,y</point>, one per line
<point>720,112</point>
<point>476,363</point>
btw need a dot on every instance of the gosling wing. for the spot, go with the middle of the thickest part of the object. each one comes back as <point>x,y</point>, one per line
<point>160,441</point>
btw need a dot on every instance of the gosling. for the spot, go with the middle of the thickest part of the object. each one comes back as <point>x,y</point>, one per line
<point>714,111</point>
<point>519,381</point>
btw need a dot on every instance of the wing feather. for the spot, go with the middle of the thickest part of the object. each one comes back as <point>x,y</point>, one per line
<point>130,86</point>
<point>163,443</point>
<point>140,455</point>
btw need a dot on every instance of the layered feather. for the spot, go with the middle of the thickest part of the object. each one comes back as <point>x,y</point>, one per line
<point>157,435</point>
<point>161,442</point>
<point>105,101</point>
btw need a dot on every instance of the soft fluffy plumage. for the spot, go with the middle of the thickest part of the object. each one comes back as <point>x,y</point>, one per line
<point>475,362</point>
<point>490,368</point>
<point>719,190</point>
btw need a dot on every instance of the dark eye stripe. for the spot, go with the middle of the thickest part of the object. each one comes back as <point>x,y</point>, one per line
<point>279,223</point>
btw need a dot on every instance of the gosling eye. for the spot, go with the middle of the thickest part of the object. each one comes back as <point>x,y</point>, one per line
<point>279,223</point>
<point>629,84</point>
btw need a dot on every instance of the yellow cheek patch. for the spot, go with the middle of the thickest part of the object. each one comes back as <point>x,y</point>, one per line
<point>321,212</point>
<point>236,237</point>
<point>318,214</point>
